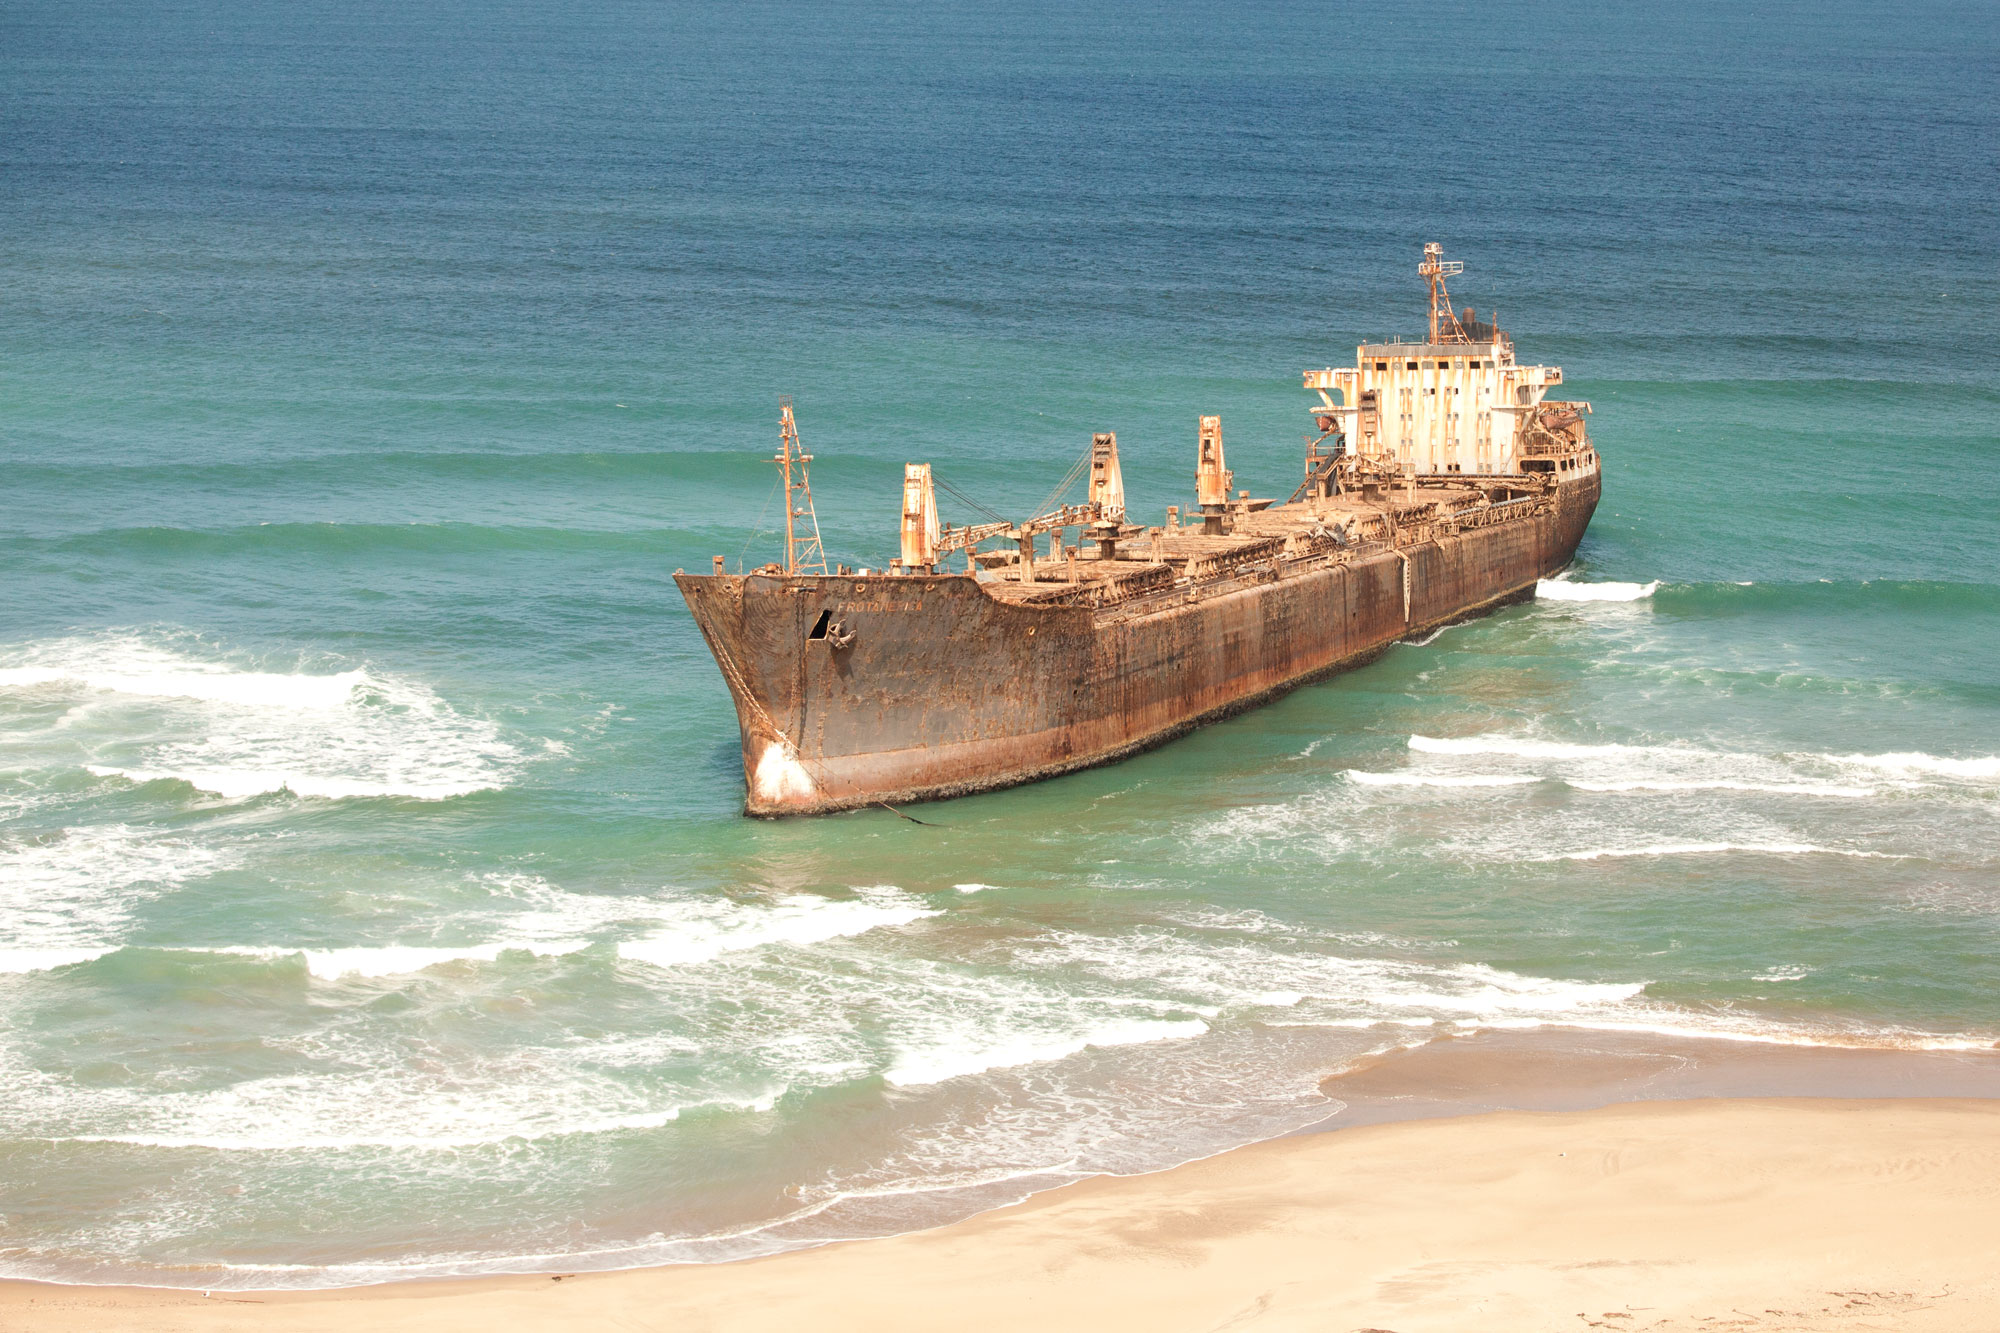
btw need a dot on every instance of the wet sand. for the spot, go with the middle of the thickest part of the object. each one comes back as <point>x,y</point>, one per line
<point>1802,1211</point>
<point>1572,1069</point>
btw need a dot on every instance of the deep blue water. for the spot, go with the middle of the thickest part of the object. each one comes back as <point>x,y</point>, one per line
<point>373,896</point>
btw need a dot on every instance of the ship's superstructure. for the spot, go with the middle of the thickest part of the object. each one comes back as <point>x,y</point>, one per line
<point>1454,404</point>
<point>1442,482</point>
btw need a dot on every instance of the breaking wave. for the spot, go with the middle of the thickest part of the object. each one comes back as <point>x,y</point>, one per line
<point>1778,772</point>
<point>1903,765</point>
<point>1564,590</point>
<point>147,709</point>
<point>711,930</point>
<point>1368,779</point>
<point>1519,747</point>
<point>144,673</point>
<point>1722,784</point>
<point>914,1068</point>
<point>69,897</point>
<point>48,959</point>
<point>1711,848</point>
<point>1562,800</point>
<point>403,959</point>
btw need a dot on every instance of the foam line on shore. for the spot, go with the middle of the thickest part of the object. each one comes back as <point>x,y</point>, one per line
<point>915,1068</point>
<point>439,1142</point>
<point>1715,848</point>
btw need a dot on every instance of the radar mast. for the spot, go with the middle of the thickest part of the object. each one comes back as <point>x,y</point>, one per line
<point>803,552</point>
<point>1445,327</point>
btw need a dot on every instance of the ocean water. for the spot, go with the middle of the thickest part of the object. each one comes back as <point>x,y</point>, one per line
<point>374,899</point>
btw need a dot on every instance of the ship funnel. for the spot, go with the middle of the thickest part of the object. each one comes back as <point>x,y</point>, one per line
<point>920,517</point>
<point>1107,483</point>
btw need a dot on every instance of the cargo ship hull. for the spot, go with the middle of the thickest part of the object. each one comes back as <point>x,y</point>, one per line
<point>931,685</point>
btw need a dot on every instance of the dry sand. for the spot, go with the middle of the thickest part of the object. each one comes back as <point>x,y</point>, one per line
<point>1689,1215</point>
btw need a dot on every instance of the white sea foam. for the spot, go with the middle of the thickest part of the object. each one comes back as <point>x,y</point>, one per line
<point>69,896</point>
<point>46,960</point>
<point>1787,972</point>
<point>237,783</point>
<point>1247,971</point>
<point>213,1122</point>
<point>528,907</point>
<point>974,888</point>
<point>1903,764</point>
<point>400,959</point>
<point>1367,779</point>
<point>148,673</point>
<point>935,1064</point>
<point>1680,767</point>
<point>1711,848</point>
<point>1493,993</point>
<point>1633,799</point>
<point>1110,1049</point>
<point>1563,590</point>
<point>1520,747</point>
<point>359,1085</point>
<point>709,930</point>
<point>145,708</point>
<point>1720,784</point>
<point>559,922</point>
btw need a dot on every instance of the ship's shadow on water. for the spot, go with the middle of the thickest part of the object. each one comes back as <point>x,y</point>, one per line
<point>722,769</point>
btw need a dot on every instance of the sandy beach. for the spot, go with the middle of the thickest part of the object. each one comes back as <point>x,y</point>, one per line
<point>1684,1215</point>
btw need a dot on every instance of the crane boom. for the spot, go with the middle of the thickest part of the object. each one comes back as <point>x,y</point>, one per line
<point>1069,516</point>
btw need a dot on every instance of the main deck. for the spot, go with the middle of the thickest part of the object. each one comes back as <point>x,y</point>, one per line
<point>1152,566</point>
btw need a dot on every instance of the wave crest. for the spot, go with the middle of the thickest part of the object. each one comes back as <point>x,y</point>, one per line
<point>1563,590</point>
<point>172,708</point>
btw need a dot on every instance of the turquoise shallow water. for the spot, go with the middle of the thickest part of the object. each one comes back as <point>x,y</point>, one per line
<point>373,897</point>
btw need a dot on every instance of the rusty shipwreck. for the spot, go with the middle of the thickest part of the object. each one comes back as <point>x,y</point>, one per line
<point>1443,482</point>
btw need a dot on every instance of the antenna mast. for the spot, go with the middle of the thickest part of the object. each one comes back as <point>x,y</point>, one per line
<point>1445,327</point>
<point>803,553</point>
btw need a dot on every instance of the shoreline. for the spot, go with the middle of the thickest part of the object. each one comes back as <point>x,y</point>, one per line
<point>1687,1101</point>
<point>1803,1213</point>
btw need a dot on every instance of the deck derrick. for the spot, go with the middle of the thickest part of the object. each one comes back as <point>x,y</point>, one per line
<point>1440,485</point>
